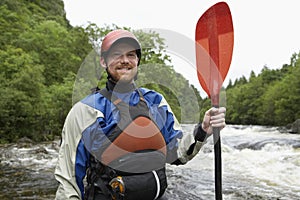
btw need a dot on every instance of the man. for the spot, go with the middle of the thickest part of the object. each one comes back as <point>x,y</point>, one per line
<point>121,137</point>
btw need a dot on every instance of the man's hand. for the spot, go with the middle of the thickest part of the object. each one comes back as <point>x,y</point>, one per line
<point>214,117</point>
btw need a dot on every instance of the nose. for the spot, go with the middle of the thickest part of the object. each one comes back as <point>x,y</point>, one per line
<point>124,59</point>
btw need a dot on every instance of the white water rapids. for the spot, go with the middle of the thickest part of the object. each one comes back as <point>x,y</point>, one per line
<point>258,163</point>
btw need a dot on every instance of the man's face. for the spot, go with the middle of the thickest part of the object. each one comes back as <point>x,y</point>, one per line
<point>121,62</point>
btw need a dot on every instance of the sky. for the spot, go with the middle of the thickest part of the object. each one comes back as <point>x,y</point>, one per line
<point>266,32</point>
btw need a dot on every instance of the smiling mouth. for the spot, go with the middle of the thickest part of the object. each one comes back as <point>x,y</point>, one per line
<point>123,69</point>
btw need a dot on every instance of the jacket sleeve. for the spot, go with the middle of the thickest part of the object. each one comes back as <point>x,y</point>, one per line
<point>79,118</point>
<point>182,146</point>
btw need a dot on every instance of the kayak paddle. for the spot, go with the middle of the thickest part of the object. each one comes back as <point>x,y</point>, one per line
<point>214,46</point>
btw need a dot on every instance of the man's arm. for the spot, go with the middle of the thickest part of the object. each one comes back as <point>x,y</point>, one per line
<point>214,117</point>
<point>72,159</point>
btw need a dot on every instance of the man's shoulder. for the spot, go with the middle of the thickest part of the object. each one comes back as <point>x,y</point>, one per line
<point>95,100</point>
<point>151,95</point>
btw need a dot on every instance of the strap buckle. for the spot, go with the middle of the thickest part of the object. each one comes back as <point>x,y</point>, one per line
<point>118,186</point>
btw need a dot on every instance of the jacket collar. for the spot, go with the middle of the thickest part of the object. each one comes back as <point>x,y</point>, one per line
<point>120,87</point>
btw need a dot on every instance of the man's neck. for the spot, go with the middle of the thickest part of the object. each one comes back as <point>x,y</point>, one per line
<point>120,87</point>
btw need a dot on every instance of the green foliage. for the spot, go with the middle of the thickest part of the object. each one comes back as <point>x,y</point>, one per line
<point>284,98</point>
<point>18,16</point>
<point>52,42</point>
<point>21,88</point>
<point>270,98</point>
<point>56,105</point>
<point>40,54</point>
<point>48,65</point>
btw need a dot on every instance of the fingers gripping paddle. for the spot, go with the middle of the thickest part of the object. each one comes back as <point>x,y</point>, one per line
<point>214,46</point>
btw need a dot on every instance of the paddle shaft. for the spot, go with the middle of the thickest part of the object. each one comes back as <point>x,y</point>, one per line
<point>218,160</point>
<point>218,164</point>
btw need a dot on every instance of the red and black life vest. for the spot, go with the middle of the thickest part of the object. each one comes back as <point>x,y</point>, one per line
<point>135,147</point>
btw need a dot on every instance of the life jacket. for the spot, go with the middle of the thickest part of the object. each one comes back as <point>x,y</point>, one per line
<point>133,155</point>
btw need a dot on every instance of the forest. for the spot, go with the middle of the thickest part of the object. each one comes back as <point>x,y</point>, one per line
<point>47,65</point>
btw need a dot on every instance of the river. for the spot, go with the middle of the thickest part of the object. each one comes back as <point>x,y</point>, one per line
<point>258,163</point>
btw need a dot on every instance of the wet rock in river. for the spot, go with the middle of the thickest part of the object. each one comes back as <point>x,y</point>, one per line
<point>295,127</point>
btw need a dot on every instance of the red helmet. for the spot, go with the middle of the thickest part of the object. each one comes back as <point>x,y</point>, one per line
<point>117,35</point>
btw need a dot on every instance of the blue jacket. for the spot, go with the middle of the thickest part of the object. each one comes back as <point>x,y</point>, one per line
<point>91,119</point>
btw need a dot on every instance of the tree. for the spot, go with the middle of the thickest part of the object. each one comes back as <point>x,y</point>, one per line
<point>21,87</point>
<point>287,99</point>
<point>57,103</point>
<point>53,43</point>
<point>270,98</point>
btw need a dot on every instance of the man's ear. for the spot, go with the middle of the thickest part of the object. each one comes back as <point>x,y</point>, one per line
<point>102,62</point>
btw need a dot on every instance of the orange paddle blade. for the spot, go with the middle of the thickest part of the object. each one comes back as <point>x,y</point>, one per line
<point>214,46</point>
